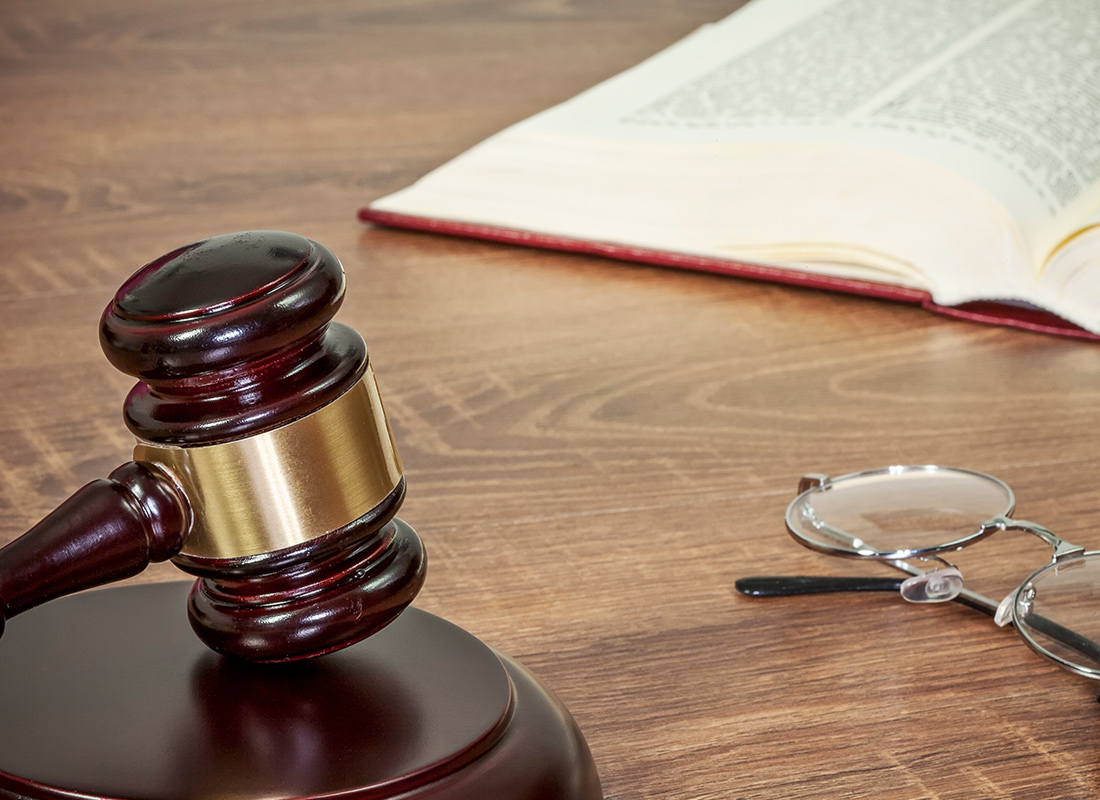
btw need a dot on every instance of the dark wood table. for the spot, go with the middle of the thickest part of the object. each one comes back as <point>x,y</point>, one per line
<point>595,451</point>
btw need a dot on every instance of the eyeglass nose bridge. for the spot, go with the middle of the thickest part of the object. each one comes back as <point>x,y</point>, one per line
<point>1062,549</point>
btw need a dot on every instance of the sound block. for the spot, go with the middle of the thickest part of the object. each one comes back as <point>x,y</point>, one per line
<point>109,694</point>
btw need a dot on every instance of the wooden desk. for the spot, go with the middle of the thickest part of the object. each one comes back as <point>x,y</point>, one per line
<point>595,451</point>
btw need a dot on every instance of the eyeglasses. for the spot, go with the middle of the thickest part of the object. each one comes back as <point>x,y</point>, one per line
<point>919,513</point>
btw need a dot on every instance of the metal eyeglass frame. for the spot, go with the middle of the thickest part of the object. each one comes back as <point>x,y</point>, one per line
<point>943,582</point>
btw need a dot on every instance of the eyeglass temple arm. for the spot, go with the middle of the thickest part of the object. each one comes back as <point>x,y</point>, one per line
<point>789,585</point>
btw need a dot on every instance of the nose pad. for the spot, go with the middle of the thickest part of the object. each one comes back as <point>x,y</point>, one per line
<point>936,586</point>
<point>1003,616</point>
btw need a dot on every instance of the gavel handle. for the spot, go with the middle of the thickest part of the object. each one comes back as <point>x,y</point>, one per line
<point>109,530</point>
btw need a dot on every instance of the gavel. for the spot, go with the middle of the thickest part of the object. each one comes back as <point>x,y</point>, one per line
<point>264,463</point>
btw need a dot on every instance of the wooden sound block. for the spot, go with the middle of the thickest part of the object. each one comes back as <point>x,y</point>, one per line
<point>109,694</point>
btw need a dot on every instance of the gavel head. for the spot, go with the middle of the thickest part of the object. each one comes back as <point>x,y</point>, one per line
<point>266,418</point>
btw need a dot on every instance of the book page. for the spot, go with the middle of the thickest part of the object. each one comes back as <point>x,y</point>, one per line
<point>1004,92</point>
<point>830,209</point>
<point>1071,277</point>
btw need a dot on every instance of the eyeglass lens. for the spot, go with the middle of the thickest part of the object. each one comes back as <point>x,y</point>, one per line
<point>897,509</point>
<point>1056,612</point>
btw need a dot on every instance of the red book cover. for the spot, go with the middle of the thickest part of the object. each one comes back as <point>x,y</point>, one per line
<point>1024,317</point>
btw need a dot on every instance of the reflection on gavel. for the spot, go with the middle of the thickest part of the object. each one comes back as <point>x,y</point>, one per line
<point>264,465</point>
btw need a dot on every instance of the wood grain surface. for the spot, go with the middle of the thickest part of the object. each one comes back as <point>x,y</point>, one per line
<point>595,451</point>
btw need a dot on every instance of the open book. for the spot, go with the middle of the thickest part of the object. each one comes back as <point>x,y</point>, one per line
<point>940,152</point>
